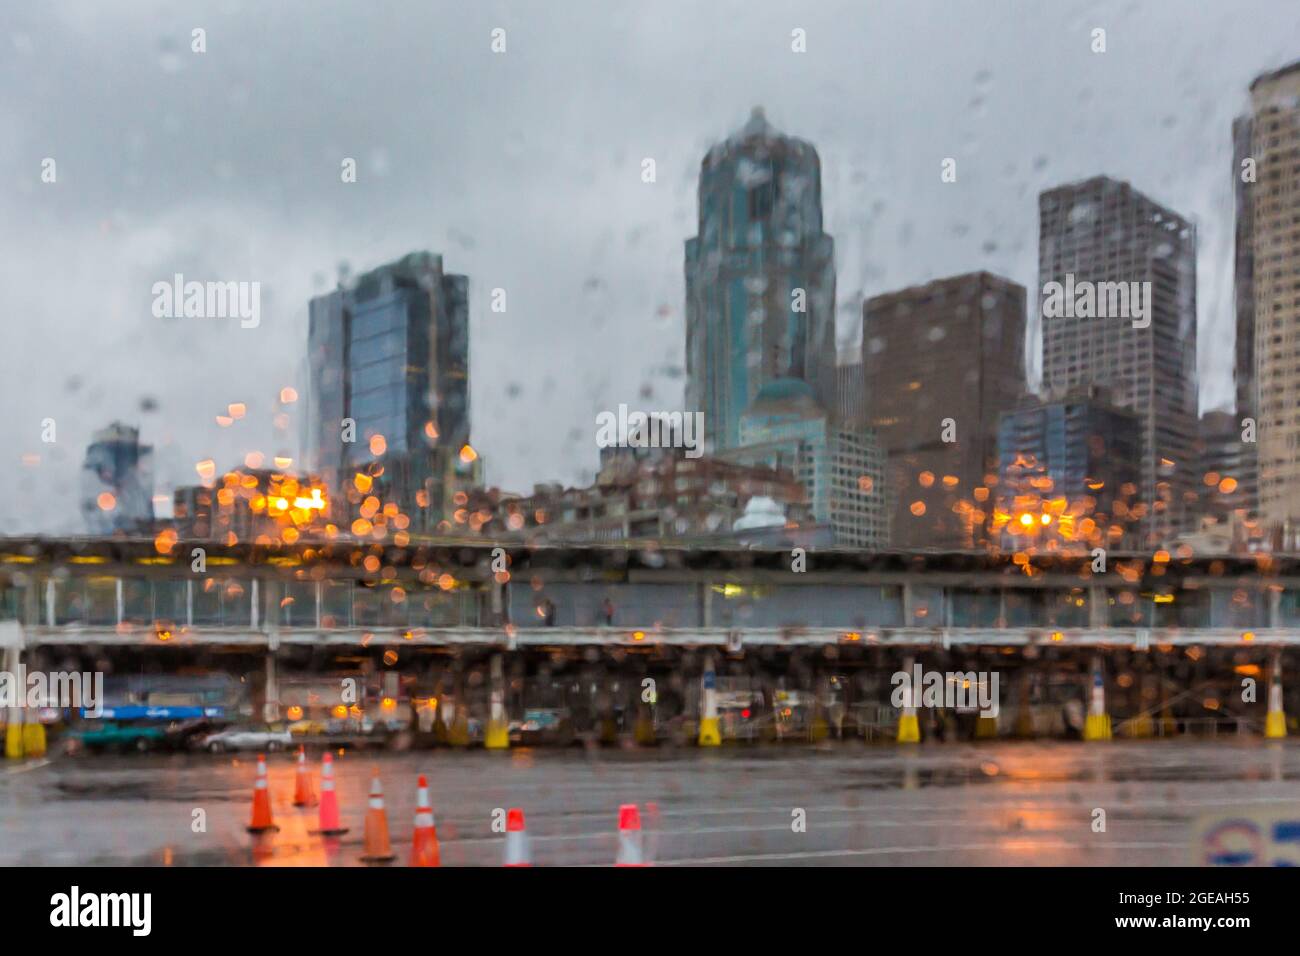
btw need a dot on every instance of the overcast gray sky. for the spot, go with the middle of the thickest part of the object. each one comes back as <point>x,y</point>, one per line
<point>523,170</point>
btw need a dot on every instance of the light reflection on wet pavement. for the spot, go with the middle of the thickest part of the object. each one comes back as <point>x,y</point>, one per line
<point>990,804</point>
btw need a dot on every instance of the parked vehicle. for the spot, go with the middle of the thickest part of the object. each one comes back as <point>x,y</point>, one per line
<point>111,735</point>
<point>540,724</point>
<point>308,728</point>
<point>258,737</point>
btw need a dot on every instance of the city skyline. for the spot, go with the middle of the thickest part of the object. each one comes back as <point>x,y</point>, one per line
<point>747,434</point>
<point>163,222</point>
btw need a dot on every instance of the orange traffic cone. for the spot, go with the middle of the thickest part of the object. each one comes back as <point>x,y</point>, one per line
<point>630,852</point>
<point>424,845</point>
<point>303,795</point>
<point>329,800</point>
<point>378,849</point>
<point>516,839</point>
<point>261,818</point>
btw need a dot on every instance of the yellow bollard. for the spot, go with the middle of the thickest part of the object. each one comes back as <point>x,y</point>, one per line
<point>710,728</point>
<point>644,732</point>
<point>458,732</point>
<point>34,739</point>
<point>1096,726</point>
<point>1275,722</point>
<point>1140,726</point>
<point>455,723</point>
<point>14,740</point>
<point>909,727</point>
<point>497,736</point>
<point>710,732</point>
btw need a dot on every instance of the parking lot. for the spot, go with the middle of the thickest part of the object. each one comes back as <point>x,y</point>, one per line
<point>984,804</point>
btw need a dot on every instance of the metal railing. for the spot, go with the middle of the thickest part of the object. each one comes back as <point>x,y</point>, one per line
<point>272,634</point>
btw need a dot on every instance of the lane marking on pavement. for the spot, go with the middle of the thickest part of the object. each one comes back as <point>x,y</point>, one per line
<point>741,828</point>
<point>982,808</point>
<point>1022,805</point>
<point>885,851</point>
<point>27,766</point>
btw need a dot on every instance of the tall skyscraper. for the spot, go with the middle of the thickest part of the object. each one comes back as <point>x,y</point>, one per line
<point>760,278</point>
<point>1271,210</point>
<point>1124,268</point>
<point>117,482</point>
<point>941,361</point>
<point>389,353</point>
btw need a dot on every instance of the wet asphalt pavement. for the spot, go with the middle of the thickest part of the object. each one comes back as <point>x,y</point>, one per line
<point>956,805</point>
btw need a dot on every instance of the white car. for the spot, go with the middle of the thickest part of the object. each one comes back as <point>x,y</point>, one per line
<point>264,737</point>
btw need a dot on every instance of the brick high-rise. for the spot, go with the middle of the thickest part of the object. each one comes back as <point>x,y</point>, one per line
<point>941,361</point>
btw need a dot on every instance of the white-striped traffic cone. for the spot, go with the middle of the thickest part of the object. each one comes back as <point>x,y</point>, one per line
<point>330,824</point>
<point>377,847</point>
<point>631,852</point>
<point>260,819</point>
<point>303,795</point>
<point>424,845</point>
<point>516,839</point>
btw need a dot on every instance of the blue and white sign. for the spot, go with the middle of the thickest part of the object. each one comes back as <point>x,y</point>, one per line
<point>1252,838</point>
<point>139,712</point>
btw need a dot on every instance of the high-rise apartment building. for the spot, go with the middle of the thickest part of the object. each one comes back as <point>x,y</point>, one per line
<point>940,362</point>
<point>1117,274</point>
<point>1269,209</point>
<point>760,278</point>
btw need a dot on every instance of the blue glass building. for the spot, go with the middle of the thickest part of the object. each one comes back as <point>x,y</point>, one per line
<point>1077,449</point>
<point>390,351</point>
<point>760,278</point>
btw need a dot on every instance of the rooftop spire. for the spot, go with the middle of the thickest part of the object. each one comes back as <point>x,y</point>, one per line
<point>757,125</point>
